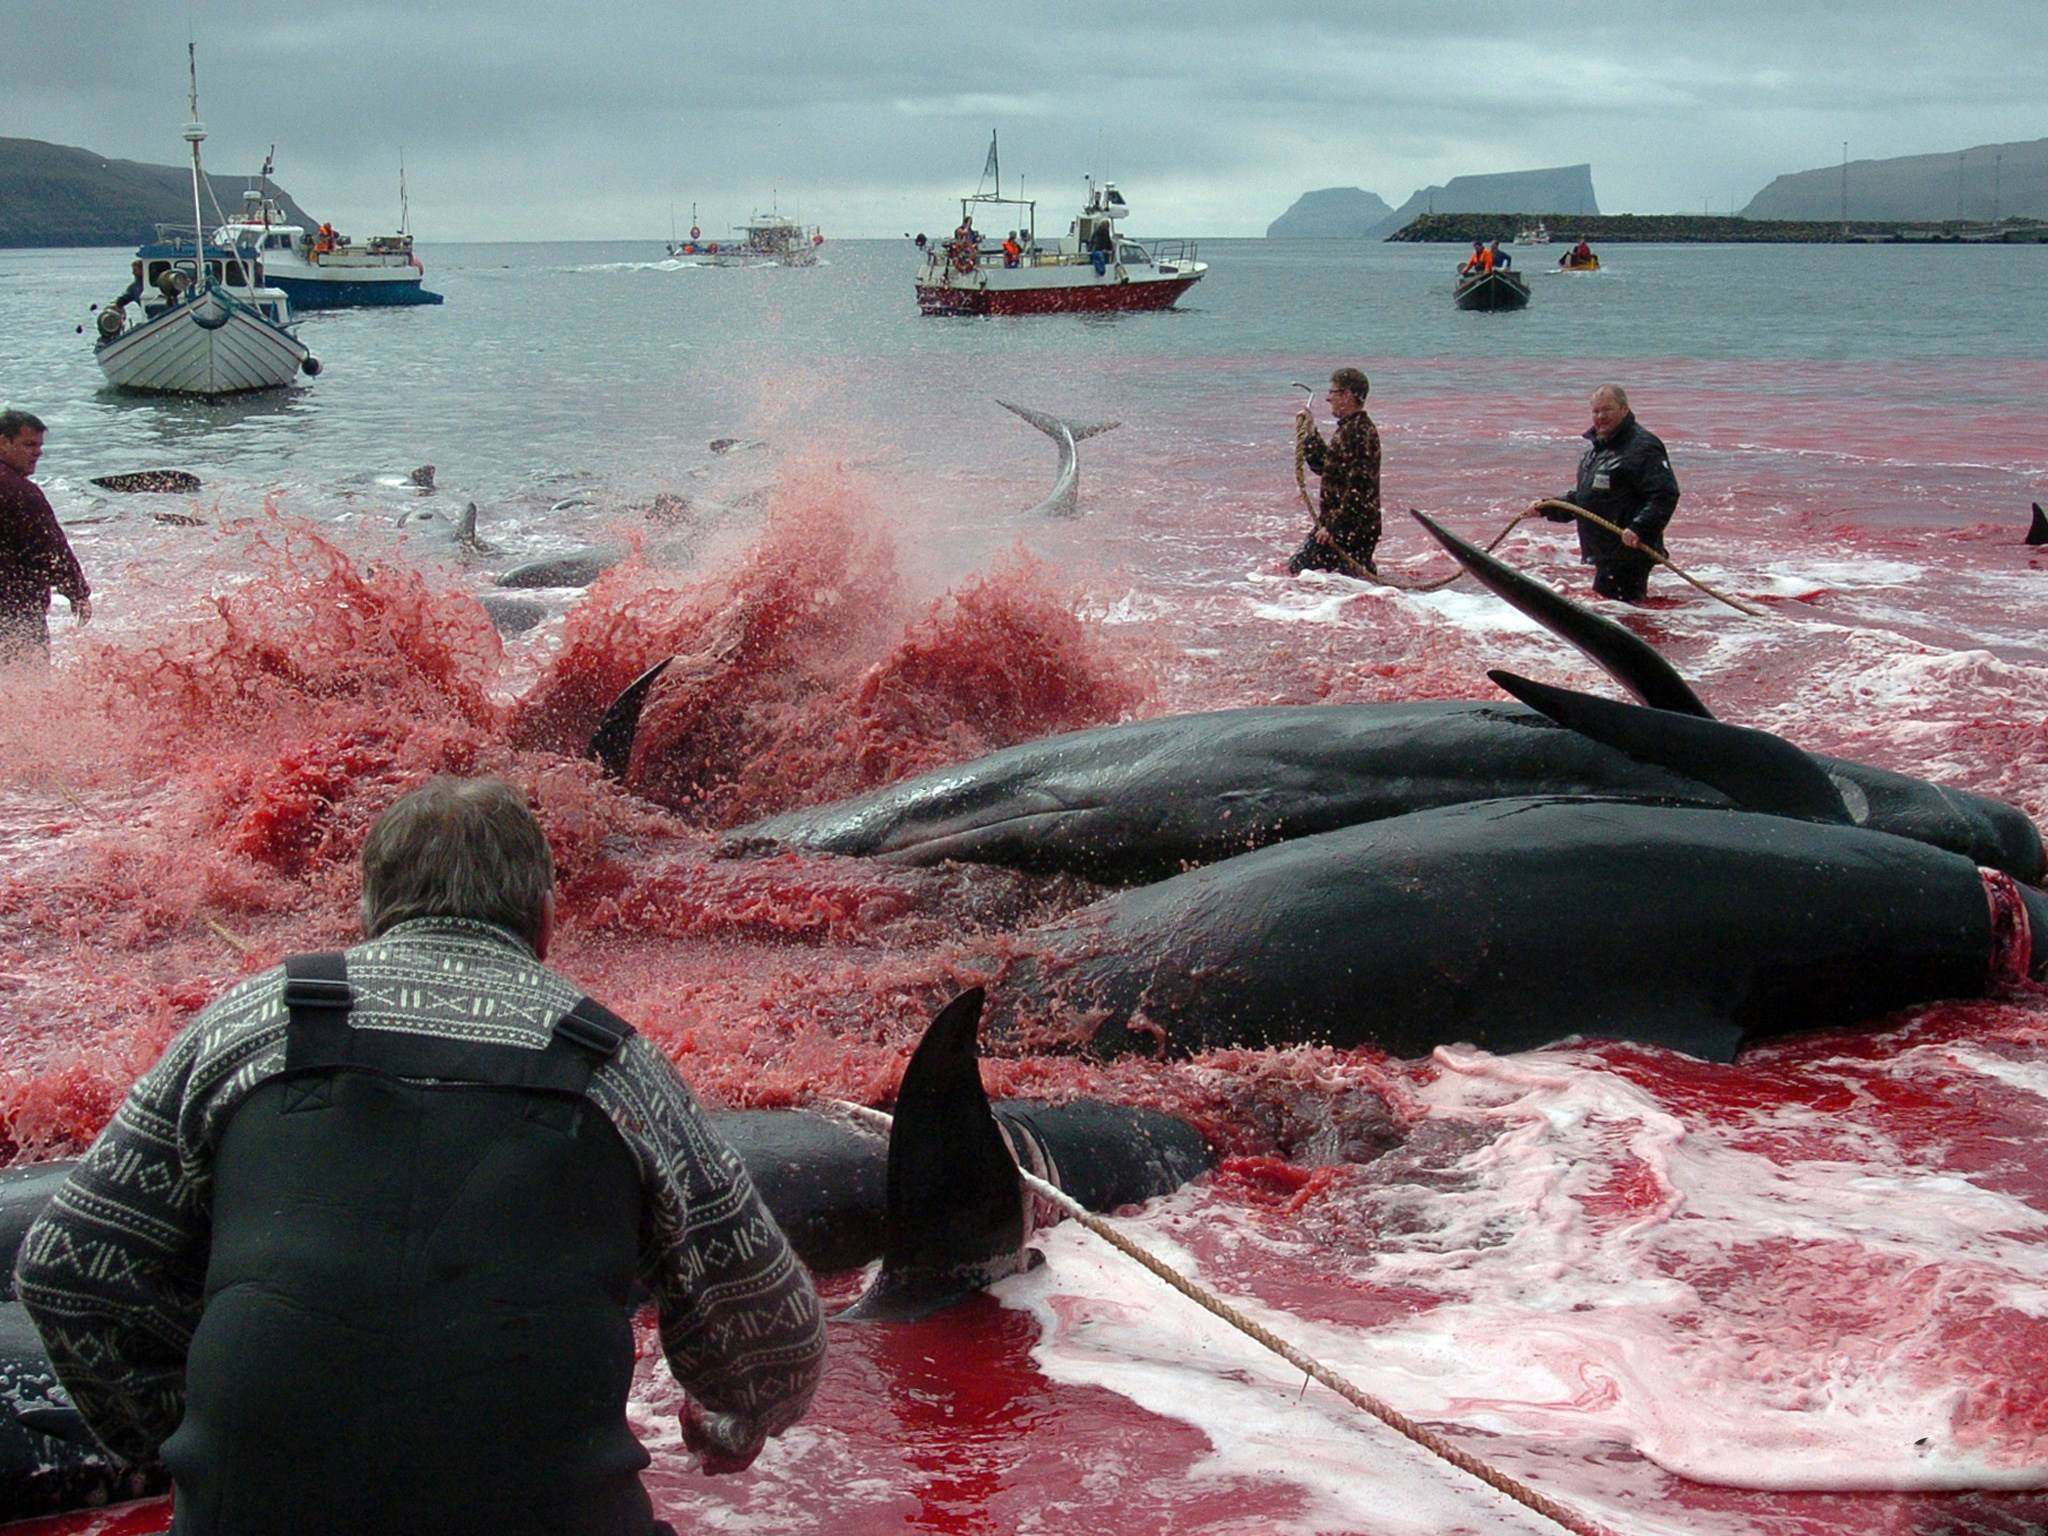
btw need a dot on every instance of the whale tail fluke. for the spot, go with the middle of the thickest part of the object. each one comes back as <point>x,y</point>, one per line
<point>2038,533</point>
<point>957,1213</point>
<point>1756,770</point>
<point>1625,657</point>
<point>1052,426</point>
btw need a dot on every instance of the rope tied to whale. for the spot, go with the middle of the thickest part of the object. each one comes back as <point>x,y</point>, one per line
<point>1501,1482</point>
<point>1358,571</point>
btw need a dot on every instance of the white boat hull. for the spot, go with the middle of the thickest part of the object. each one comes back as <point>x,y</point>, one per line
<point>211,346</point>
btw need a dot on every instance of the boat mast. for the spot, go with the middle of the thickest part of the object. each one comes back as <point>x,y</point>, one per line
<point>404,208</point>
<point>194,132</point>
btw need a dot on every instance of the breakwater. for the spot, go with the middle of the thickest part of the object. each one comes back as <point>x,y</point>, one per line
<point>1683,228</point>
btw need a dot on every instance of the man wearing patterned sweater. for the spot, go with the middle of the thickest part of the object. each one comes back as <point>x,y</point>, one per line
<point>359,1253</point>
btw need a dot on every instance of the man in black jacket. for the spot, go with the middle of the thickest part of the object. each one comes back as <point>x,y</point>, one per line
<point>1625,477</point>
<point>34,554</point>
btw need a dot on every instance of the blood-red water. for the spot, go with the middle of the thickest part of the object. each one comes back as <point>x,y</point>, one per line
<point>185,799</point>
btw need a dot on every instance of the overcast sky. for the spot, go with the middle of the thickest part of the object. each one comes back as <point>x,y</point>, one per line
<point>528,121</point>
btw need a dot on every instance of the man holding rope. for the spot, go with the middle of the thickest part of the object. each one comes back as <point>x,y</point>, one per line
<point>1347,526</point>
<point>1624,477</point>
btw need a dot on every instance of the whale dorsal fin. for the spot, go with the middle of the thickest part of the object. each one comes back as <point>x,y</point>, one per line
<point>957,1212</point>
<point>1758,771</point>
<point>1627,658</point>
<point>2038,533</point>
<point>612,742</point>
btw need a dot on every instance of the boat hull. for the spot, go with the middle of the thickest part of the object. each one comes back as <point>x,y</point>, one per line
<point>202,348</point>
<point>1579,266</point>
<point>1491,290</point>
<point>1092,296</point>
<point>351,292</point>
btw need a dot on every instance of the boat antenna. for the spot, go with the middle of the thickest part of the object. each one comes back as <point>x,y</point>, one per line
<point>404,207</point>
<point>194,132</point>
<point>992,167</point>
<point>269,165</point>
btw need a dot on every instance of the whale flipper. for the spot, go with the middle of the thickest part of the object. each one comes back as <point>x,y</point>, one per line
<point>958,1212</point>
<point>1625,657</point>
<point>1758,771</point>
<point>2038,533</point>
<point>612,742</point>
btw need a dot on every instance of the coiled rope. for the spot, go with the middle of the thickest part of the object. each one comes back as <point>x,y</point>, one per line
<point>1359,571</point>
<point>1501,1482</point>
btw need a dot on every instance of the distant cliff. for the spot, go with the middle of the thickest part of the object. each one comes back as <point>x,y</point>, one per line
<point>1960,185</point>
<point>1334,213</point>
<point>53,194</point>
<point>1537,194</point>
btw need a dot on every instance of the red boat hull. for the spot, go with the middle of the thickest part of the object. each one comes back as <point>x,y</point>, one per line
<point>1089,298</point>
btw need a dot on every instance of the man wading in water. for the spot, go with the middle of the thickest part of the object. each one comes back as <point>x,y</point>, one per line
<point>359,1254</point>
<point>1347,529</point>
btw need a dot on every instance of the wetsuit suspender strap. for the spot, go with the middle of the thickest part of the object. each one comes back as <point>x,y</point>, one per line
<point>319,1038</point>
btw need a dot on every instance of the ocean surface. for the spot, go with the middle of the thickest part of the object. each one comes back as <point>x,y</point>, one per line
<point>1803,1295</point>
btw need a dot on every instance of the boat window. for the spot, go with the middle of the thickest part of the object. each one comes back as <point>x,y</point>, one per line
<point>277,243</point>
<point>235,279</point>
<point>1133,255</point>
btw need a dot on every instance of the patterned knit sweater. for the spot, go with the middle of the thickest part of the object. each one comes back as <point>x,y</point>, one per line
<point>113,1272</point>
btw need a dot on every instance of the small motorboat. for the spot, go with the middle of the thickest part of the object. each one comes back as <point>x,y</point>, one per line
<point>1500,288</point>
<point>1579,258</point>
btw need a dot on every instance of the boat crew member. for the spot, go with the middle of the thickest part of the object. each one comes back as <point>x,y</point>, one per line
<point>35,557</point>
<point>1012,251</point>
<point>359,1253</point>
<point>1625,477</point>
<point>1478,261</point>
<point>1497,260</point>
<point>132,294</point>
<point>1347,529</point>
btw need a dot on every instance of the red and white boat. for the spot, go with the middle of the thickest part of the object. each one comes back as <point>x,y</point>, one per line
<point>1094,268</point>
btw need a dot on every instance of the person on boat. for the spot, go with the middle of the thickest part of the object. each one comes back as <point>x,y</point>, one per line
<point>1347,529</point>
<point>1479,261</point>
<point>132,294</point>
<point>1624,477</point>
<point>325,242</point>
<point>1012,251</point>
<point>361,1251</point>
<point>1580,255</point>
<point>1497,260</point>
<point>35,557</point>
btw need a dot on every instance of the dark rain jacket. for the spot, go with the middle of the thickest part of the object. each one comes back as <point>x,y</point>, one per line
<point>34,554</point>
<point>1627,480</point>
<point>1349,464</point>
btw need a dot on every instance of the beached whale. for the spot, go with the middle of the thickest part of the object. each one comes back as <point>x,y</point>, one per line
<point>940,1202</point>
<point>1141,801</point>
<point>1512,923</point>
<point>1065,495</point>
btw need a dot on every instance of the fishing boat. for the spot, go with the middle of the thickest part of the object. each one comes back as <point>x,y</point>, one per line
<point>214,326</point>
<point>1533,234</point>
<point>322,269</point>
<point>1497,289</point>
<point>767,239</point>
<point>1093,268</point>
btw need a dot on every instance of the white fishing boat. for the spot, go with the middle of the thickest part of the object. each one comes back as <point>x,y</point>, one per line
<point>213,327</point>
<point>323,269</point>
<point>1093,268</point>
<point>767,239</point>
<point>1533,234</point>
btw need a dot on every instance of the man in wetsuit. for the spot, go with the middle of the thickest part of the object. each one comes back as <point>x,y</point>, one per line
<point>1347,529</point>
<point>1624,477</point>
<point>360,1252</point>
<point>35,557</point>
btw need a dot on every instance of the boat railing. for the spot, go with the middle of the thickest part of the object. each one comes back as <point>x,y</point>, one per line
<point>1174,253</point>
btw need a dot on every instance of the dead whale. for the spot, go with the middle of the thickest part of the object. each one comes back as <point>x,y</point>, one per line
<point>1513,923</point>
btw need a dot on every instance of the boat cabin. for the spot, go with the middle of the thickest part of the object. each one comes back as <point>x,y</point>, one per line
<point>168,275</point>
